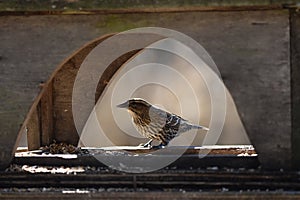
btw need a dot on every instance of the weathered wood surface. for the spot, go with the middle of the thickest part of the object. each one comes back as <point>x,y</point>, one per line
<point>40,119</point>
<point>33,130</point>
<point>74,195</point>
<point>81,6</point>
<point>63,82</point>
<point>158,181</point>
<point>254,62</point>
<point>46,107</point>
<point>295,81</point>
<point>110,71</point>
<point>251,51</point>
<point>61,85</point>
<point>152,195</point>
<point>230,156</point>
<point>173,184</point>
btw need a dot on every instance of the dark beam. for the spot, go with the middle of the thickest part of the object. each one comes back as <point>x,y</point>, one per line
<point>295,85</point>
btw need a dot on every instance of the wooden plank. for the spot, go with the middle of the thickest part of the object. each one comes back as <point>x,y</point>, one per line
<point>144,10</point>
<point>79,6</point>
<point>295,86</point>
<point>156,181</point>
<point>175,195</point>
<point>256,70</point>
<point>63,81</point>
<point>47,116</point>
<point>33,130</point>
<point>233,156</point>
<point>218,162</point>
<point>64,127</point>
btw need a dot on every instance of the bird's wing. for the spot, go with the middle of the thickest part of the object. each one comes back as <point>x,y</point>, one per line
<point>171,128</point>
<point>173,120</point>
<point>157,117</point>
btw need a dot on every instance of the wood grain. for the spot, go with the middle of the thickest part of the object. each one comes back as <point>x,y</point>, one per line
<point>295,86</point>
<point>63,82</point>
<point>33,129</point>
<point>47,116</point>
<point>251,49</point>
<point>110,70</point>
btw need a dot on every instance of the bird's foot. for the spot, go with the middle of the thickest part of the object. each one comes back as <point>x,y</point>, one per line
<point>148,144</point>
<point>145,145</point>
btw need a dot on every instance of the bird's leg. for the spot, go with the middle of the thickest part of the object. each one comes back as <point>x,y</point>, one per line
<point>148,144</point>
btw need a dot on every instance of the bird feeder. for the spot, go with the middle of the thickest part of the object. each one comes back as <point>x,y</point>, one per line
<point>51,116</point>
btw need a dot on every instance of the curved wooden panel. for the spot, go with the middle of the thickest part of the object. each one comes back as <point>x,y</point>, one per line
<point>50,117</point>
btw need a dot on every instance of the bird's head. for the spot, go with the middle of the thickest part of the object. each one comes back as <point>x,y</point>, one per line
<point>136,106</point>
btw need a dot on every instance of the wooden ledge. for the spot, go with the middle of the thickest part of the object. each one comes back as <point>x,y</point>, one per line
<point>233,156</point>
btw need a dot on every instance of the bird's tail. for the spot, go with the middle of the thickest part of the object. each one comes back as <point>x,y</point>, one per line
<point>199,127</point>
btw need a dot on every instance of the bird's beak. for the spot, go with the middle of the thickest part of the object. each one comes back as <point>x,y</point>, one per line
<point>123,105</point>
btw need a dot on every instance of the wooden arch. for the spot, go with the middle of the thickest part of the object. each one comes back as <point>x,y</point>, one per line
<point>50,116</point>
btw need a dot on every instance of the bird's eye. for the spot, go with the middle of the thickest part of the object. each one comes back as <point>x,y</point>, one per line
<point>132,106</point>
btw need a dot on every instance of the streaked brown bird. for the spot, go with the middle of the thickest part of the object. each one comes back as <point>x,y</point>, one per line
<point>155,123</point>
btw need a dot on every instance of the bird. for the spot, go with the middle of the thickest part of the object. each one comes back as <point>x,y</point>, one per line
<point>155,123</point>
